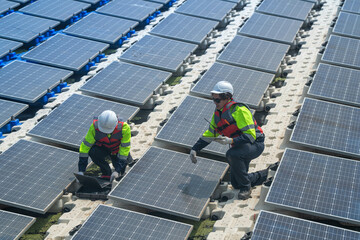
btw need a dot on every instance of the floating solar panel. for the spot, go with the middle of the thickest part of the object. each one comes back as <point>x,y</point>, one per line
<point>27,82</point>
<point>271,226</point>
<point>249,85</point>
<point>169,182</point>
<point>110,222</point>
<point>336,84</point>
<point>298,10</point>
<point>33,175</point>
<point>65,51</point>
<point>7,46</point>
<point>342,51</point>
<point>69,123</point>
<point>7,6</point>
<point>254,53</point>
<point>13,225</point>
<point>10,109</point>
<point>348,24</point>
<point>271,28</point>
<point>316,184</point>
<point>164,54</point>
<point>185,28</point>
<point>126,83</point>
<point>351,6</point>
<point>60,10</point>
<point>328,126</point>
<point>24,28</point>
<point>209,9</point>
<point>101,28</point>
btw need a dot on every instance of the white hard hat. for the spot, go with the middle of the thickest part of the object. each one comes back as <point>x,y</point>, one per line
<point>107,121</point>
<point>223,87</point>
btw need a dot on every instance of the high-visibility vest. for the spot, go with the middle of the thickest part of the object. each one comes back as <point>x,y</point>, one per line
<point>113,142</point>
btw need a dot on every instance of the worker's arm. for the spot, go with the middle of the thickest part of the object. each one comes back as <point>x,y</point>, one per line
<point>85,147</point>
<point>207,136</point>
<point>124,148</point>
<point>244,121</point>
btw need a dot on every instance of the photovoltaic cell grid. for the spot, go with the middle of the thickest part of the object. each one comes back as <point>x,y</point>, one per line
<point>60,10</point>
<point>336,84</point>
<point>209,9</point>
<point>167,181</point>
<point>13,225</point>
<point>126,83</point>
<point>249,85</point>
<point>164,54</point>
<point>65,51</point>
<point>273,226</point>
<point>33,175</point>
<point>254,53</point>
<point>101,28</point>
<point>69,123</point>
<point>351,6</point>
<point>319,185</point>
<point>348,24</point>
<point>298,10</point>
<point>10,109</point>
<point>185,28</point>
<point>27,82</point>
<point>109,222</point>
<point>7,46</point>
<point>271,28</point>
<point>24,28</point>
<point>328,126</point>
<point>7,5</point>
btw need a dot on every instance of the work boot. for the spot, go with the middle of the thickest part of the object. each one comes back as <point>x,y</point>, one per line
<point>244,194</point>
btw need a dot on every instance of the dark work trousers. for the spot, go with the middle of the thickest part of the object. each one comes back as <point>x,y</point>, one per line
<point>239,158</point>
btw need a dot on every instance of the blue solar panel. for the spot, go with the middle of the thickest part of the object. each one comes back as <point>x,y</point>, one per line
<point>348,24</point>
<point>351,6</point>
<point>7,5</point>
<point>7,46</point>
<point>10,109</point>
<point>13,225</point>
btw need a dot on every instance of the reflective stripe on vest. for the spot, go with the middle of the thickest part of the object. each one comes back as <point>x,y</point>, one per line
<point>113,142</point>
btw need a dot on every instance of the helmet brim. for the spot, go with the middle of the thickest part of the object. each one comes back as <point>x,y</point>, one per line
<point>106,130</point>
<point>216,92</point>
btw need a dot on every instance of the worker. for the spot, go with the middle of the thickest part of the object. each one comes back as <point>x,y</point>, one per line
<point>107,137</point>
<point>233,124</point>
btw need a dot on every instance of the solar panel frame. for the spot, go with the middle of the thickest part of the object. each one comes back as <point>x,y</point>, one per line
<point>68,124</point>
<point>7,5</point>
<point>347,24</point>
<point>7,46</point>
<point>10,109</point>
<point>93,2</point>
<point>317,184</point>
<point>351,6</point>
<point>20,1</point>
<point>126,83</point>
<point>159,1</point>
<point>115,219</point>
<point>14,225</point>
<point>144,183</point>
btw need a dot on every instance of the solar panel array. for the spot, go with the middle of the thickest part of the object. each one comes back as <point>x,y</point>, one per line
<point>7,5</point>
<point>348,24</point>
<point>271,226</point>
<point>7,46</point>
<point>271,28</point>
<point>254,53</point>
<point>185,28</point>
<point>10,109</point>
<point>164,54</point>
<point>317,184</point>
<point>69,123</point>
<point>13,225</point>
<point>27,82</point>
<point>249,85</point>
<point>126,83</point>
<point>33,176</point>
<point>169,182</point>
<point>351,6</point>
<point>65,51</point>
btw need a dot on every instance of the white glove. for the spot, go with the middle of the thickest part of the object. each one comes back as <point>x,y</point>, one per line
<point>193,156</point>
<point>81,173</point>
<point>224,140</point>
<point>114,175</point>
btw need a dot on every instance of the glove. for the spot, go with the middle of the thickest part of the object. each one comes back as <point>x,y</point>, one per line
<point>193,156</point>
<point>81,173</point>
<point>224,140</point>
<point>114,175</point>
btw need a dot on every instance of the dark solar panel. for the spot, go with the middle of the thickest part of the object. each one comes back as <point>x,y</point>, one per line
<point>10,109</point>
<point>13,225</point>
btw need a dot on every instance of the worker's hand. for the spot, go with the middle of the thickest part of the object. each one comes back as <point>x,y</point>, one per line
<point>193,156</point>
<point>114,175</point>
<point>224,140</point>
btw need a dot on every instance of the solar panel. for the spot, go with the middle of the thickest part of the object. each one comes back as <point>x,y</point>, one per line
<point>69,123</point>
<point>126,83</point>
<point>60,10</point>
<point>7,5</point>
<point>13,225</point>
<point>271,226</point>
<point>254,53</point>
<point>317,184</point>
<point>27,82</point>
<point>167,181</point>
<point>10,109</point>
<point>33,175</point>
<point>328,126</point>
<point>342,51</point>
<point>210,9</point>
<point>185,28</point>
<point>7,46</point>
<point>249,85</point>
<point>65,52</point>
<point>24,28</point>
<point>298,10</point>
<point>110,222</point>
<point>347,24</point>
<point>164,54</point>
<point>351,6</point>
<point>271,28</point>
